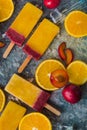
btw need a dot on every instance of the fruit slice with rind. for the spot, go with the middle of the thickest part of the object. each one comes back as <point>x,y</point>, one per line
<point>6,9</point>
<point>61,50</point>
<point>76,24</point>
<point>77,71</point>
<point>35,121</point>
<point>59,78</point>
<point>2,100</point>
<point>44,71</point>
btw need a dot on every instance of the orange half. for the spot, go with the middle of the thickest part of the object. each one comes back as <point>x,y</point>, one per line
<point>6,9</point>
<point>35,121</point>
<point>76,24</point>
<point>43,73</point>
<point>77,71</point>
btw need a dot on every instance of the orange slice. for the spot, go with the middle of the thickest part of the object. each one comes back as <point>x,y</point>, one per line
<point>6,9</point>
<point>77,72</point>
<point>76,24</point>
<point>44,71</point>
<point>2,44</point>
<point>2,100</point>
<point>35,121</point>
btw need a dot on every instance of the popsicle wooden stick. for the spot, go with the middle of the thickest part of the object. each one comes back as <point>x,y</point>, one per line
<point>52,109</point>
<point>24,64</point>
<point>9,48</point>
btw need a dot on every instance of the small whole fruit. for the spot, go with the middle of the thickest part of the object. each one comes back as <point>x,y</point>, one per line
<point>72,93</point>
<point>51,4</point>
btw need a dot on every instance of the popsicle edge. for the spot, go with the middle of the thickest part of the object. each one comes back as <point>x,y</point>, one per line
<point>15,36</point>
<point>22,114</point>
<point>30,51</point>
<point>41,101</point>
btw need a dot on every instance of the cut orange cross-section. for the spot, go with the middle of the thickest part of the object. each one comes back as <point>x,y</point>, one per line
<point>77,72</point>
<point>76,23</point>
<point>44,71</point>
<point>2,100</point>
<point>6,9</point>
<point>35,121</point>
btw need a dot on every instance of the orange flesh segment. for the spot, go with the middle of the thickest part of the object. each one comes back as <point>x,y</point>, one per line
<point>26,92</point>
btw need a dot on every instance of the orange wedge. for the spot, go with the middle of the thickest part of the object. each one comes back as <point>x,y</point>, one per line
<point>2,100</point>
<point>2,44</point>
<point>77,71</point>
<point>44,71</point>
<point>6,9</point>
<point>76,24</point>
<point>35,121</point>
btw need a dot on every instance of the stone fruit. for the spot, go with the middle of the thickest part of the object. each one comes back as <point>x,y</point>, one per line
<point>69,56</point>
<point>51,3</point>
<point>72,93</point>
<point>61,50</point>
<point>65,53</point>
<point>2,44</point>
<point>59,78</point>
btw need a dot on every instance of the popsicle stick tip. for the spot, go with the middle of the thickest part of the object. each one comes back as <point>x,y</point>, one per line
<point>24,64</point>
<point>52,109</point>
<point>8,50</point>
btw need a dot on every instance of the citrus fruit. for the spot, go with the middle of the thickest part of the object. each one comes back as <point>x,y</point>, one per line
<point>2,100</point>
<point>44,71</point>
<point>35,121</point>
<point>77,71</point>
<point>76,24</point>
<point>6,9</point>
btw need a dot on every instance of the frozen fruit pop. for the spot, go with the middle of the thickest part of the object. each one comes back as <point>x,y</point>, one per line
<point>29,94</point>
<point>39,41</point>
<point>11,116</point>
<point>22,26</point>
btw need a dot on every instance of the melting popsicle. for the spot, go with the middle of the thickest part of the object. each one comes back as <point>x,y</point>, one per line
<point>22,26</point>
<point>29,94</point>
<point>39,41</point>
<point>11,116</point>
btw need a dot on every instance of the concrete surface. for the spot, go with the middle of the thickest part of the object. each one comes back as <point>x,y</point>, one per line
<point>73,117</point>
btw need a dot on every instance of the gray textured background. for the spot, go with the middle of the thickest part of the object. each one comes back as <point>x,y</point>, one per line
<point>73,116</point>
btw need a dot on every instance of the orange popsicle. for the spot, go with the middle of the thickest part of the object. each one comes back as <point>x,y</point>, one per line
<point>11,116</point>
<point>39,41</point>
<point>22,26</point>
<point>29,94</point>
